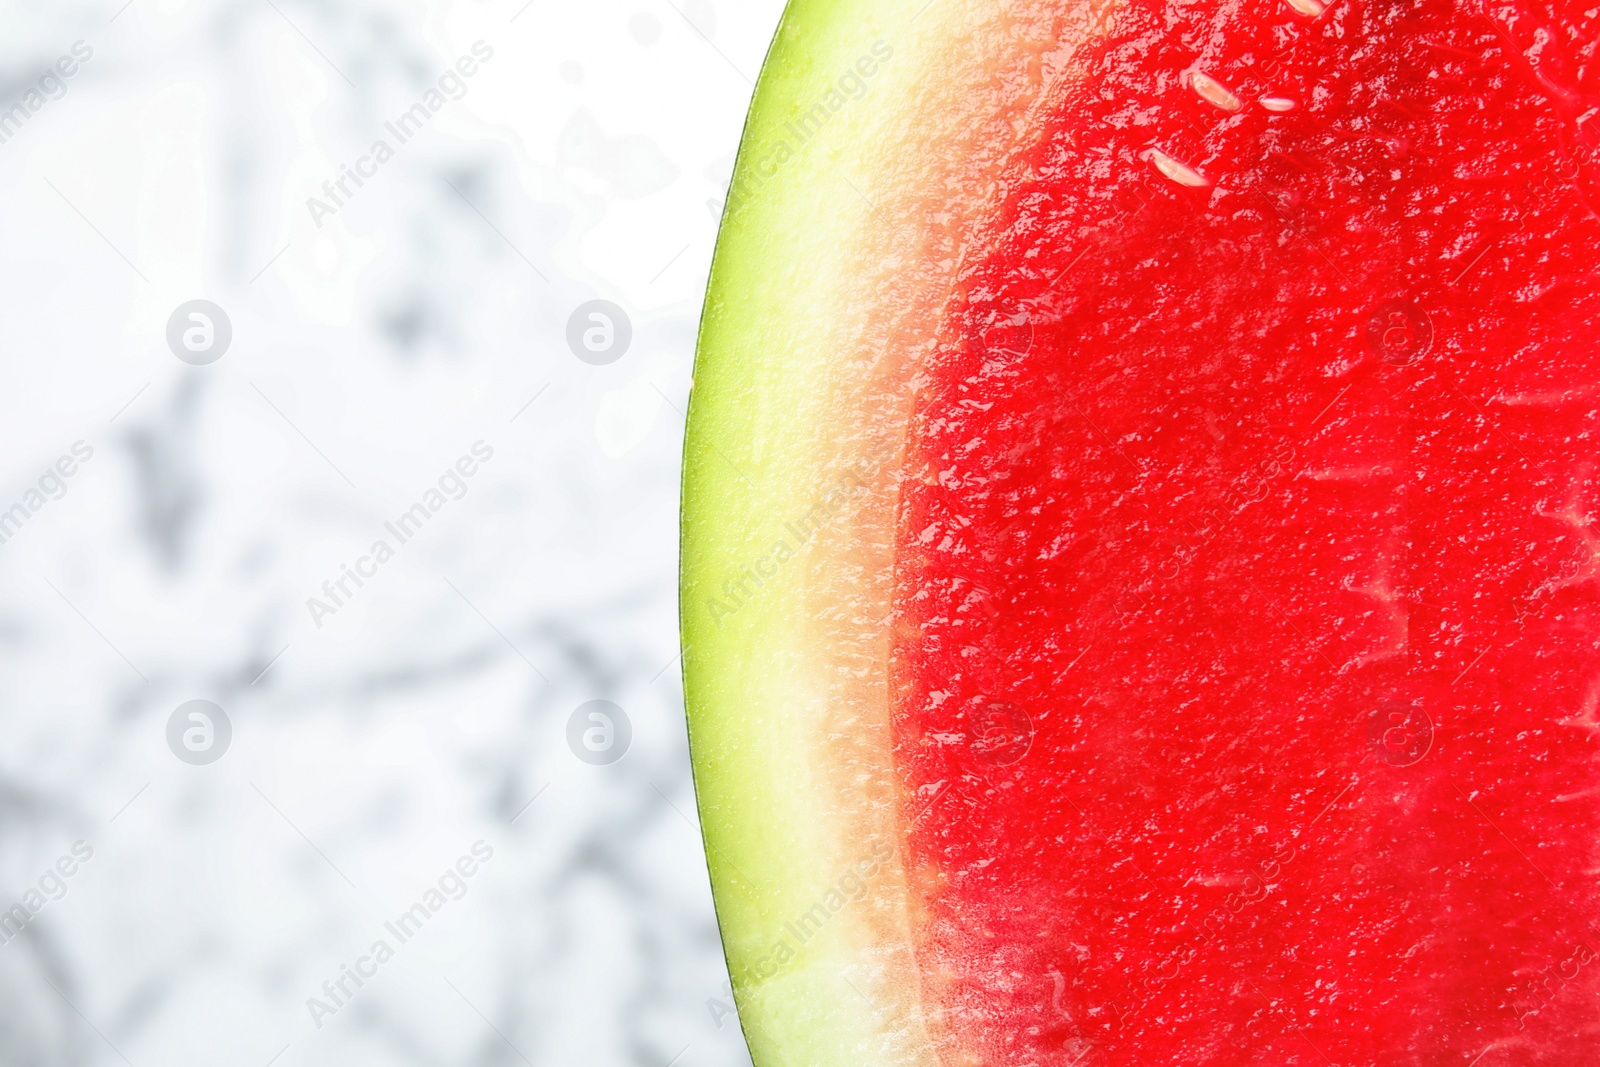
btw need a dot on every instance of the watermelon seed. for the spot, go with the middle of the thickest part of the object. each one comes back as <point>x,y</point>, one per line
<point>1214,92</point>
<point>1181,173</point>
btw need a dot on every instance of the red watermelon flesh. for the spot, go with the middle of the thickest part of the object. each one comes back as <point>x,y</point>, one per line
<point>1248,640</point>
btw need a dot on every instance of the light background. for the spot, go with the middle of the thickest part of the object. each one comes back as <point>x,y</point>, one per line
<point>586,160</point>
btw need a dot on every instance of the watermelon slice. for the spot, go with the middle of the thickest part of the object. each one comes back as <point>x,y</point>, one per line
<point>1139,543</point>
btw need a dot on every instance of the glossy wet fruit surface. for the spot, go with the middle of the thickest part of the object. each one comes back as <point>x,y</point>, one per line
<point>1247,640</point>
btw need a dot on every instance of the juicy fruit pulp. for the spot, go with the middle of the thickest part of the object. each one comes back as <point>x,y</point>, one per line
<point>1139,588</point>
<point>1246,648</point>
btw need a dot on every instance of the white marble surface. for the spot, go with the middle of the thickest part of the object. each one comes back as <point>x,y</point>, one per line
<point>370,752</point>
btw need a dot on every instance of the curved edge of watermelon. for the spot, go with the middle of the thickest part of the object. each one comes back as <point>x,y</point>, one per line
<point>876,147</point>
<point>754,691</point>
